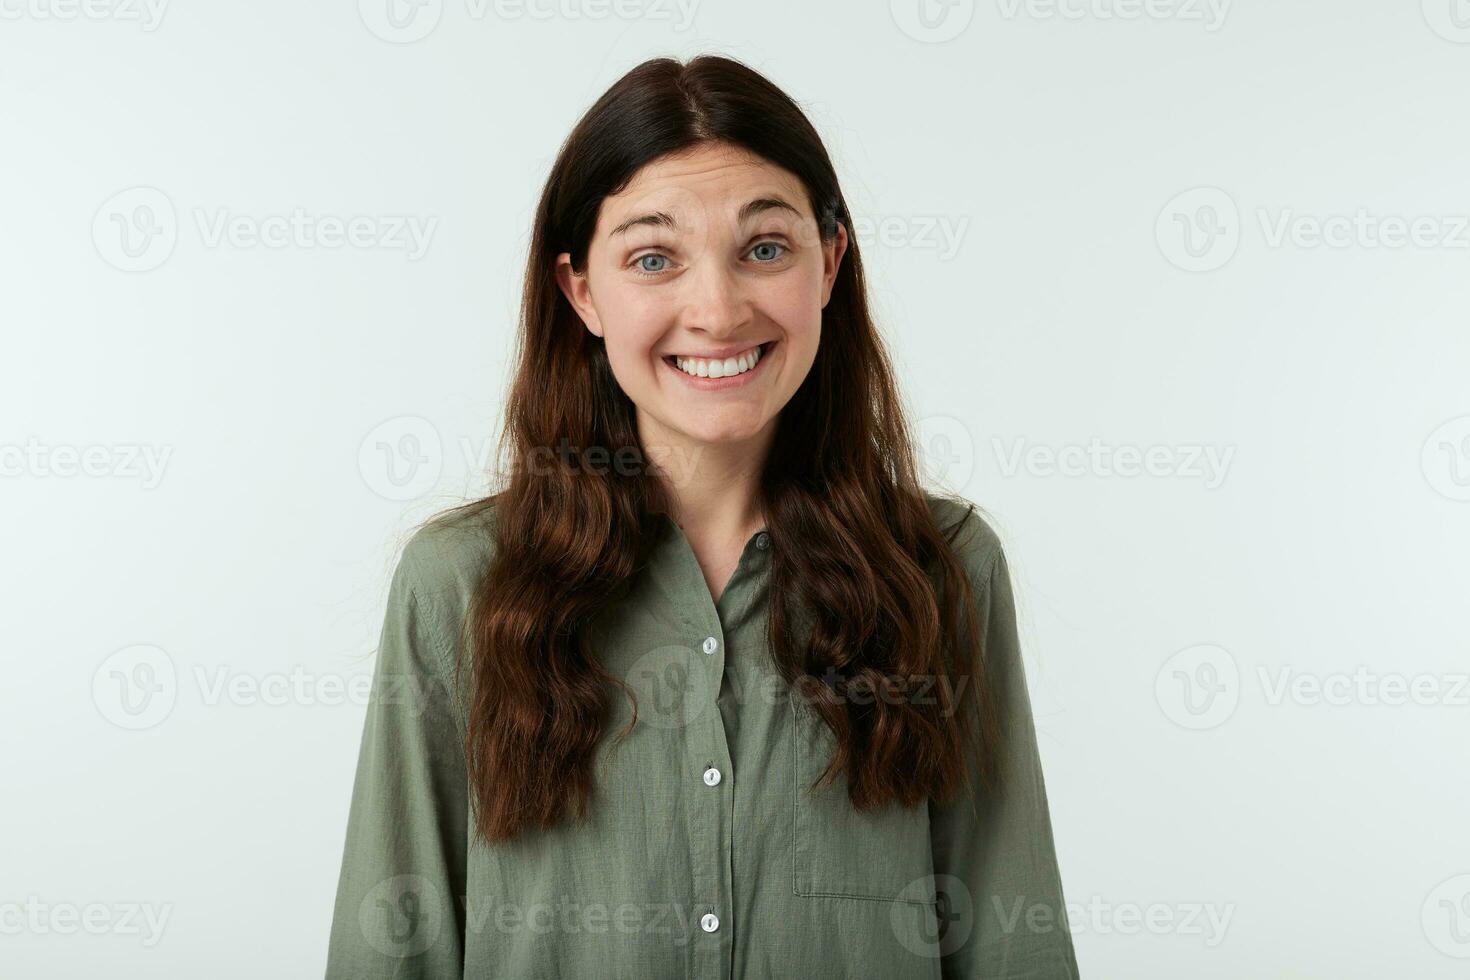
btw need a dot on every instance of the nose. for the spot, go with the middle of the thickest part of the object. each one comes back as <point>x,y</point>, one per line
<point>715,302</point>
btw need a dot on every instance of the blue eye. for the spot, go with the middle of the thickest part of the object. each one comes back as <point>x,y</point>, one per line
<point>773,245</point>
<point>651,255</point>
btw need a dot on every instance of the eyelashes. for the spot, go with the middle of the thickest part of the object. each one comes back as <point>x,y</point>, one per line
<point>640,269</point>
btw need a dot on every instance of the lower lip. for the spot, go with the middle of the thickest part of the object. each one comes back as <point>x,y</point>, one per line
<point>721,384</point>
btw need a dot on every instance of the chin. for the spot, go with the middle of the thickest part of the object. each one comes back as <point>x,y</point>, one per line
<point>725,434</point>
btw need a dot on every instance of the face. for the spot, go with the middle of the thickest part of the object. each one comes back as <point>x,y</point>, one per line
<point>706,280</point>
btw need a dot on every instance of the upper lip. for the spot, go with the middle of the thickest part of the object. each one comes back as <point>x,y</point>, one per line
<point>721,353</point>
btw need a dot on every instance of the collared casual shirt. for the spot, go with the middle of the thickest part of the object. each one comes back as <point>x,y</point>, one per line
<point>706,855</point>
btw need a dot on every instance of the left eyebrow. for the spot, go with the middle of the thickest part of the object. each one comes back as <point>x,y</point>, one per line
<point>662,219</point>
<point>763,204</point>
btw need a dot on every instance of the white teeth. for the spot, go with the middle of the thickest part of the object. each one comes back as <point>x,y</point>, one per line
<point>730,366</point>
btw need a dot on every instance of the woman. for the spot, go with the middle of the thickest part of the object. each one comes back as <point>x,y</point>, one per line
<point>711,687</point>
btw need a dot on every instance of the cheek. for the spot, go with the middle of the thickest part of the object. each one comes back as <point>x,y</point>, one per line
<point>633,320</point>
<point>794,303</point>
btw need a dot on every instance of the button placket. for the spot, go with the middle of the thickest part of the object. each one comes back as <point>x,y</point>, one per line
<point>719,826</point>
<point>709,744</point>
<point>710,810</point>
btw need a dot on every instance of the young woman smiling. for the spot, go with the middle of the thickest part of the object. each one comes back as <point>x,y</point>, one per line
<point>743,701</point>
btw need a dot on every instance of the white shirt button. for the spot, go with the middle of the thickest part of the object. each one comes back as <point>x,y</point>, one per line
<point>711,776</point>
<point>763,541</point>
<point>711,644</point>
<point>709,922</point>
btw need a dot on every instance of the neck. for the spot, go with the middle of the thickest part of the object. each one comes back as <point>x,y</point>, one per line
<point>713,488</point>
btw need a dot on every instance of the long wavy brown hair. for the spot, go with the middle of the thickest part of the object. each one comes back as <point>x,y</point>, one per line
<point>866,592</point>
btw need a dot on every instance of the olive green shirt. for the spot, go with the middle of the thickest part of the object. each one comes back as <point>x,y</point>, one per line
<point>705,855</point>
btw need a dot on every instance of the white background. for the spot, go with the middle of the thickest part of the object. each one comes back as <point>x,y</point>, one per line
<point>1027,174</point>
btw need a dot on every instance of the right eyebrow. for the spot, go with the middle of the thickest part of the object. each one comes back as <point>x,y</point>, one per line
<point>658,219</point>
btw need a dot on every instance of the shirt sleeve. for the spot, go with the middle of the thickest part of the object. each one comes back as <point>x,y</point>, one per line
<point>399,906</point>
<point>1000,904</point>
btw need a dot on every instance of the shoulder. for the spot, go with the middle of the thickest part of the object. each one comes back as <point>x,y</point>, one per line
<point>972,536</point>
<point>445,557</point>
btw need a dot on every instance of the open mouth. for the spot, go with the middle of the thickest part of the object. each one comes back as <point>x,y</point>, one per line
<point>717,369</point>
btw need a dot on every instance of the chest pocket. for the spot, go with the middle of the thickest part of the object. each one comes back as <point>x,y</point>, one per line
<point>882,854</point>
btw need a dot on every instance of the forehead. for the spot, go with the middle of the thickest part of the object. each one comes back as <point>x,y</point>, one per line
<point>710,176</point>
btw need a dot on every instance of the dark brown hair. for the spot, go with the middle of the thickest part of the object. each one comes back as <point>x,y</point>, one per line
<point>865,588</point>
